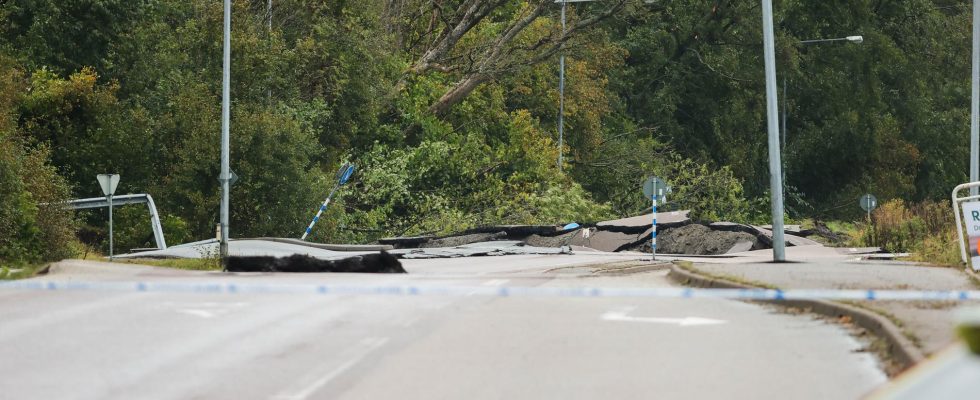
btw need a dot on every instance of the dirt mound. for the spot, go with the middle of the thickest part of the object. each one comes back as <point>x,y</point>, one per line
<point>822,233</point>
<point>453,241</point>
<point>552,241</point>
<point>702,240</point>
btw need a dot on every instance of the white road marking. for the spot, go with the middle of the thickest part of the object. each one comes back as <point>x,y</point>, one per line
<point>623,315</point>
<point>197,313</point>
<point>219,304</point>
<point>205,309</point>
<point>491,282</point>
<point>365,347</point>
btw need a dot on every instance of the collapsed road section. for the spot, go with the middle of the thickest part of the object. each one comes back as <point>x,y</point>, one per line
<point>678,235</point>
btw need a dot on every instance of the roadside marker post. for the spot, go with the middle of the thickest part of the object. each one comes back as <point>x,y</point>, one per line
<point>343,175</point>
<point>868,203</point>
<point>653,234</point>
<point>654,188</point>
<point>108,182</point>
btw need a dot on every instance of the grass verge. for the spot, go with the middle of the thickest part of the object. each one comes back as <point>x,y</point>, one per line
<point>23,271</point>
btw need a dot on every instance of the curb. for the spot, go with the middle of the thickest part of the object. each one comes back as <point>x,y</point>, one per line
<point>905,353</point>
<point>633,269</point>
<point>972,275</point>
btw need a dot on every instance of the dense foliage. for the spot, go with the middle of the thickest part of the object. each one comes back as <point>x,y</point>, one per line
<point>449,110</point>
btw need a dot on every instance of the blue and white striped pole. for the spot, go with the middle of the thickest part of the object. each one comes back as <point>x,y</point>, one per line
<point>343,175</point>
<point>653,235</point>
<point>318,213</point>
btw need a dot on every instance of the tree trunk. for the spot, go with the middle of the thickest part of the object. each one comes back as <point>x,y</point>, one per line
<point>458,92</point>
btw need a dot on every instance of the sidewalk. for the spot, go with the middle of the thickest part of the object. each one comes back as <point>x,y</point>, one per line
<point>928,325</point>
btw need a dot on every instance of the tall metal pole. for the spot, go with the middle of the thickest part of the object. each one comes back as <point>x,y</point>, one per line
<point>110,227</point>
<point>225,113</point>
<point>974,99</point>
<point>268,15</point>
<point>783,130</point>
<point>772,108</point>
<point>561,94</point>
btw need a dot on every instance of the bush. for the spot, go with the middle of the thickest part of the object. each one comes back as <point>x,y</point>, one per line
<point>926,229</point>
<point>29,232</point>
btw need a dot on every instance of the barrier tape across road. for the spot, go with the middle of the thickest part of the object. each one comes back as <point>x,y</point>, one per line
<point>500,291</point>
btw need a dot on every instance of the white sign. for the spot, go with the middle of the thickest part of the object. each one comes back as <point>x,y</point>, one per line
<point>108,183</point>
<point>971,219</point>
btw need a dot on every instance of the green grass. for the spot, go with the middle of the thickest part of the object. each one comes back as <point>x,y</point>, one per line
<point>207,262</point>
<point>20,271</point>
<point>689,267</point>
<point>193,264</point>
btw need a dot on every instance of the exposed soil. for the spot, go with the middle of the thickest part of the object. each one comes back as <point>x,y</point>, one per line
<point>453,241</point>
<point>701,240</point>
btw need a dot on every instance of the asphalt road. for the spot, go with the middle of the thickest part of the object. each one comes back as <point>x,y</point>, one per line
<point>100,345</point>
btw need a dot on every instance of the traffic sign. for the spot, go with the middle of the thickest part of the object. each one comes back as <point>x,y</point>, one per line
<point>868,202</point>
<point>344,174</point>
<point>655,185</point>
<point>654,188</point>
<point>232,178</point>
<point>108,183</point>
<point>971,218</point>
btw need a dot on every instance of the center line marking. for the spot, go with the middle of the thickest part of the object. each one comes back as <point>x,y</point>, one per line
<point>365,347</point>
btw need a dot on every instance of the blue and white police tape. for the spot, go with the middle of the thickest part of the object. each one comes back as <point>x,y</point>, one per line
<point>504,291</point>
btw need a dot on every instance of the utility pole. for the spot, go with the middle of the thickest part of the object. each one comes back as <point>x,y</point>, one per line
<point>225,177</point>
<point>561,93</point>
<point>853,39</point>
<point>974,98</point>
<point>772,108</point>
<point>561,85</point>
<point>268,16</point>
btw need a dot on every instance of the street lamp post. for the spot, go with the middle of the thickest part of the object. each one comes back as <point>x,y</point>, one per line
<point>974,99</point>
<point>772,119</point>
<point>853,39</point>
<point>856,39</point>
<point>225,177</point>
<point>561,85</point>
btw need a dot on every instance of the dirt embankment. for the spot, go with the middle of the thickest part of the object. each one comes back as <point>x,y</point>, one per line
<point>701,240</point>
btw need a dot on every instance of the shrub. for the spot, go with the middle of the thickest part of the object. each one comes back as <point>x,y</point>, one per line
<point>29,232</point>
<point>926,229</point>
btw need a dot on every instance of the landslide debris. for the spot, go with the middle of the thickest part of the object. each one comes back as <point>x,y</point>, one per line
<point>702,240</point>
<point>380,263</point>
<point>676,234</point>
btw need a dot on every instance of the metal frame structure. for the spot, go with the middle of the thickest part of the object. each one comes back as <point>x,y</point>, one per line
<point>100,202</point>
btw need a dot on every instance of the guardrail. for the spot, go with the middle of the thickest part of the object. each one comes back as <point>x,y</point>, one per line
<point>100,202</point>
